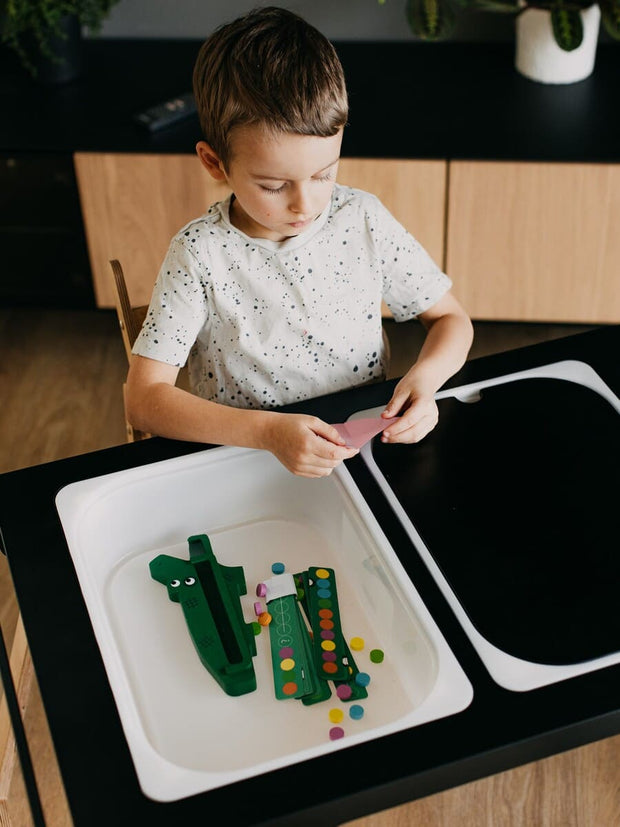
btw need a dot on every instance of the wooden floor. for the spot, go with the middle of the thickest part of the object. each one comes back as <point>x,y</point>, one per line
<point>60,389</point>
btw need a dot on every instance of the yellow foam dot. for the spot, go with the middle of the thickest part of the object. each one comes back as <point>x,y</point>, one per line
<point>328,645</point>
<point>322,574</point>
<point>335,715</point>
<point>357,643</point>
<point>287,664</point>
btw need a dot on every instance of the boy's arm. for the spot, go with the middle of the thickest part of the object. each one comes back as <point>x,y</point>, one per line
<point>305,445</point>
<point>447,343</point>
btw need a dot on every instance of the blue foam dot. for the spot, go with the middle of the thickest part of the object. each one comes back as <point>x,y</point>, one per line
<point>356,712</point>
<point>362,679</point>
<point>278,568</point>
<point>324,593</point>
<point>323,583</point>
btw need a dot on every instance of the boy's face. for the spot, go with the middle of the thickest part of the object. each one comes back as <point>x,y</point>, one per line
<point>281,183</point>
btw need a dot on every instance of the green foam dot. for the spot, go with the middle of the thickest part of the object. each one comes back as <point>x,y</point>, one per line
<point>376,655</point>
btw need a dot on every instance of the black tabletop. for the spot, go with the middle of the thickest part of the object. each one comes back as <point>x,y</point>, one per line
<point>407,100</point>
<point>499,730</point>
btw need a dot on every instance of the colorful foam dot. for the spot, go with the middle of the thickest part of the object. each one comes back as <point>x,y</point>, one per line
<point>287,664</point>
<point>329,667</point>
<point>286,652</point>
<point>278,568</point>
<point>362,679</point>
<point>344,692</point>
<point>256,627</point>
<point>322,574</point>
<point>324,592</point>
<point>322,583</point>
<point>264,618</point>
<point>326,613</point>
<point>327,634</point>
<point>289,688</point>
<point>335,715</point>
<point>376,655</point>
<point>357,643</point>
<point>328,645</point>
<point>326,624</point>
<point>329,656</point>
<point>324,603</point>
<point>261,590</point>
<point>335,733</point>
<point>356,712</point>
<point>258,608</point>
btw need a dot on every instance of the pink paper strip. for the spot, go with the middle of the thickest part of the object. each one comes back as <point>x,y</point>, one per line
<point>357,432</point>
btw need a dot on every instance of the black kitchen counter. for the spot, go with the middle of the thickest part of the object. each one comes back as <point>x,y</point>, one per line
<point>499,730</point>
<point>407,100</point>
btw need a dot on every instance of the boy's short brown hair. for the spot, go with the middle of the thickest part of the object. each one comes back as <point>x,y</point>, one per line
<point>269,67</point>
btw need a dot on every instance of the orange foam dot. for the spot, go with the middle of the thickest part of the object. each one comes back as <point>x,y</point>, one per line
<point>289,688</point>
<point>327,613</point>
<point>330,667</point>
<point>264,618</point>
<point>326,624</point>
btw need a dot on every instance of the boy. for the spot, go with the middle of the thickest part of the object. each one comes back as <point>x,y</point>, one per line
<point>276,292</point>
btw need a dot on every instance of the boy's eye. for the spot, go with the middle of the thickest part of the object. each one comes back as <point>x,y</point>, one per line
<point>328,176</point>
<point>272,190</point>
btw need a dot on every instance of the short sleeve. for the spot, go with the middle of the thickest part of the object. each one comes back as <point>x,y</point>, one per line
<point>178,308</point>
<point>412,281</point>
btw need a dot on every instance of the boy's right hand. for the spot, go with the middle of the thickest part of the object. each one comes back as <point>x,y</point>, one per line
<point>305,445</point>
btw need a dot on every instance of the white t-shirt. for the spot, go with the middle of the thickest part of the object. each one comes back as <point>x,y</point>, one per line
<point>266,323</point>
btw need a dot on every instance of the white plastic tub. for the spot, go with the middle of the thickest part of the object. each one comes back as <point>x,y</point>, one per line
<point>508,671</point>
<point>185,734</point>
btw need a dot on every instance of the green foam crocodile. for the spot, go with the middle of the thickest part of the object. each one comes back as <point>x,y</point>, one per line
<point>209,594</point>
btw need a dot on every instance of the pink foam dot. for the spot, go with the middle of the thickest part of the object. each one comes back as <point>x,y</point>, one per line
<point>335,733</point>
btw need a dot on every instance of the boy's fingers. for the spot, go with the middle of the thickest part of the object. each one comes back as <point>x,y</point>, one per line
<point>395,405</point>
<point>328,432</point>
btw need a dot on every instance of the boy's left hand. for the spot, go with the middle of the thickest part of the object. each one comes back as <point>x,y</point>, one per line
<point>417,414</point>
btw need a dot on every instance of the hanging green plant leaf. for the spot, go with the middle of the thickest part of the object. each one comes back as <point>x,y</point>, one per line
<point>610,16</point>
<point>431,19</point>
<point>567,27</point>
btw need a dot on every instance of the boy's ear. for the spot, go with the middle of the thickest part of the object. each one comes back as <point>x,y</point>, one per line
<point>210,161</point>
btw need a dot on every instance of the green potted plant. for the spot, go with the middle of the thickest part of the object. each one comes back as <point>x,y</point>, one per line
<point>435,19</point>
<point>46,34</point>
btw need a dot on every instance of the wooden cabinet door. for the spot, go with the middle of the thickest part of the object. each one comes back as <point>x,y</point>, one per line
<point>132,205</point>
<point>535,241</point>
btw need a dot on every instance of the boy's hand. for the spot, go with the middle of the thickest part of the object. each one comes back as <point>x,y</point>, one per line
<point>419,414</point>
<point>306,445</point>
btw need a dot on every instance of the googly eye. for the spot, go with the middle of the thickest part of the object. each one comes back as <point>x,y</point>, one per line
<point>174,584</point>
<point>189,581</point>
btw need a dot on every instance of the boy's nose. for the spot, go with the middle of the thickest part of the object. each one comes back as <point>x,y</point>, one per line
<point>300,201</point>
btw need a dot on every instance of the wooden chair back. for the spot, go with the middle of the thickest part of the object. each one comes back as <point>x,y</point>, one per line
<point>130,321</point>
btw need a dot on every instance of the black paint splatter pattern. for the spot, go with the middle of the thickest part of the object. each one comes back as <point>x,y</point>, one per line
<point>267,323</point>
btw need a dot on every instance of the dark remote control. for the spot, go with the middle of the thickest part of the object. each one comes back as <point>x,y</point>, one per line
<point>166,113</point>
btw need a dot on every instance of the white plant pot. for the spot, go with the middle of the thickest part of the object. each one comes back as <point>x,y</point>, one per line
<point>539,57</point>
